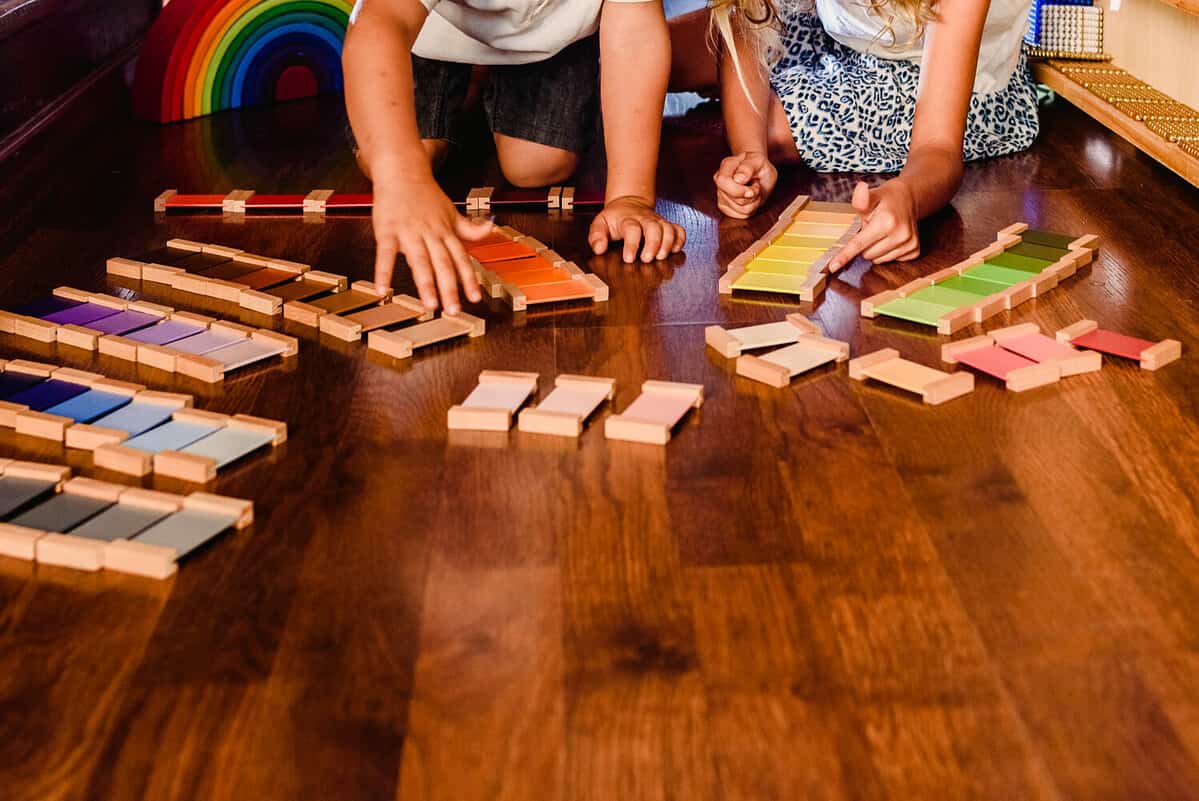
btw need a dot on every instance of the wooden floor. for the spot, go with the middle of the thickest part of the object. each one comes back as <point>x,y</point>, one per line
<point>828,591</point>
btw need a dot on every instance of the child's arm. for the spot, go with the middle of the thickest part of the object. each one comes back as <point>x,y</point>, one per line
<point>411,214</point>
<point>933,171</point>
<point>634,68</point>
<point>746,178</point>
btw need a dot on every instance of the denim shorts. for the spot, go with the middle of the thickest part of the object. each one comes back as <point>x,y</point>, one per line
<point>553,102</point>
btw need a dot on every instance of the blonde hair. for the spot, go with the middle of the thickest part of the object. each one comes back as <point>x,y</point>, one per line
<point>760,24</point>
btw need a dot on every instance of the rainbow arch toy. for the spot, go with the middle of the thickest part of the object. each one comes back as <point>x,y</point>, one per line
<point>204,56</point>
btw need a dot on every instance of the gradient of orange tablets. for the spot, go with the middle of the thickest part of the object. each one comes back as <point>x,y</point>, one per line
<point>502,252</point>
<point>563,290</point>
<point>492,238</point>
<point>517,266</point>
<point>553,275</point>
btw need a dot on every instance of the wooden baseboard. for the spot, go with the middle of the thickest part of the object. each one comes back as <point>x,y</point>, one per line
<point>1189,6</point>
<point>1068,78</point>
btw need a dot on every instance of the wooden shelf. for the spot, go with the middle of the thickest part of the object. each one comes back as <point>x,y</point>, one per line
<point>1136,132</point>
<point>1189,6</point>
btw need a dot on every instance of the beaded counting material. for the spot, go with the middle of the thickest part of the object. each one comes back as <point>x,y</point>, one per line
<point>793,256</point>
<point>91,525</point>
<point>1021,356</point>
<point>322,201</point>
<point>1021,264</point>
<point>524,271</point>
<point>1064,30</point>
<point>158,336</point>
<point>258,283</point>
<point>1151,355</point>
<point>1150,119</point>
<point>126,427</point>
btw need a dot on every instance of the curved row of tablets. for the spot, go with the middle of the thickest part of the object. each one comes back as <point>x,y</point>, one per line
<point>792,257</point>
<point>1021,264</point>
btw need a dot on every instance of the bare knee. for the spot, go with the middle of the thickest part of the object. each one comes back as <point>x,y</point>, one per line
<point>528,164</point>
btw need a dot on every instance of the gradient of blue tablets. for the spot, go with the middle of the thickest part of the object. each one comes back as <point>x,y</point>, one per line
<point>230,444</point>
<point>166,332</point>
<point>11,383</point>
<point>89,406</point>
<point>82,314</point>
<point>186,530</point>
<point>137,418</point>
<point>124,322</point>
<point>45,306</point>
<point>169,436</point>
<point>50,392</point>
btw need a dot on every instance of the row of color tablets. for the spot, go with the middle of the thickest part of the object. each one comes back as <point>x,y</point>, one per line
<point>146,420</point>
<point>1037,251</point>
<point>786,263</point>
<point>530,272</point>
<point>91,524</point>
<point>232,349</point>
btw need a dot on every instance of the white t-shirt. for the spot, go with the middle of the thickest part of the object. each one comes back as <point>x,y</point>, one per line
<point>854,24</point>
<point>503,31</point>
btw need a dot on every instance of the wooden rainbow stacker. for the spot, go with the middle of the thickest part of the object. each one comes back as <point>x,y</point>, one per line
<point>793,256</point>
<point>1019,265</point>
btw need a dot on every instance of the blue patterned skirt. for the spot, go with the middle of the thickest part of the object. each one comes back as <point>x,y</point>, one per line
<point>852,112</point>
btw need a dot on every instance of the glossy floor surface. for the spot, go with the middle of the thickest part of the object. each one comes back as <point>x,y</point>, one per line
<point>827,591</point>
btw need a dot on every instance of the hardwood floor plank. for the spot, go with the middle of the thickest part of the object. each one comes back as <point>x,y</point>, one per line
<point>486,719</point>
<point>70,654</point>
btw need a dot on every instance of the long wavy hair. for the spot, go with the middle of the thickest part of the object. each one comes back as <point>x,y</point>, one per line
<point>760,24</point>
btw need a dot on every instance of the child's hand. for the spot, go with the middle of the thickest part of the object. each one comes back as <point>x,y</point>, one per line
<point>743,183</point>
<point>632,219</point>
<point>888,225</point>
<point>415,218</point>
